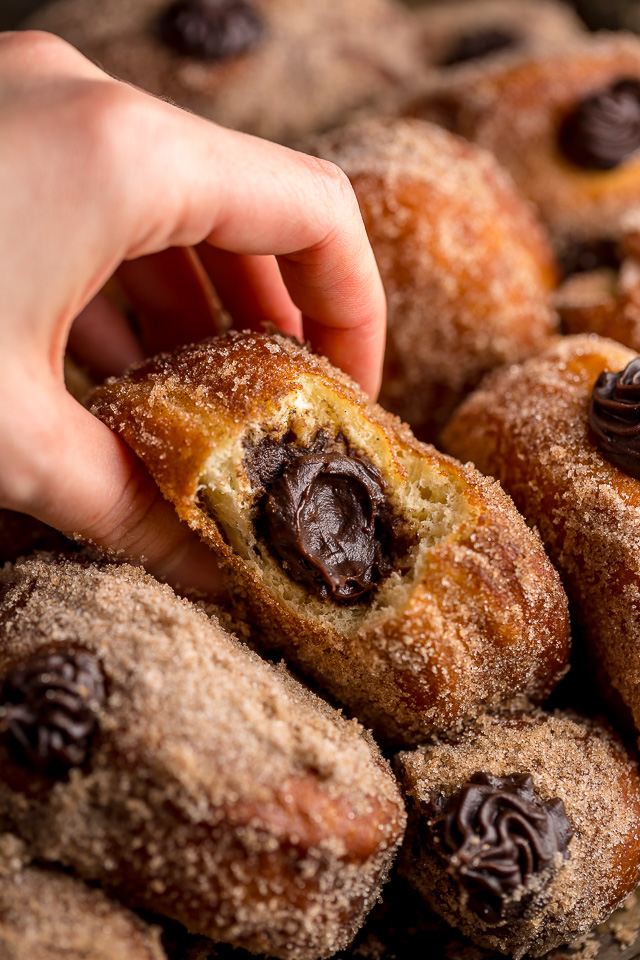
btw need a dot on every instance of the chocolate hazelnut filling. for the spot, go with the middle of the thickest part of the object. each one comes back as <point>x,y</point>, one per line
<point>604,129</point>
<point>480,43</point>
<point>495,835</point>
<point>211,29</point>
<point>324,515</point>
<point>614,417</point>
<point>49,709</point>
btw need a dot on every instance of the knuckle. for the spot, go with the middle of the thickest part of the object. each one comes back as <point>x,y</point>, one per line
<point>335,182</point>
<point>24,47</point>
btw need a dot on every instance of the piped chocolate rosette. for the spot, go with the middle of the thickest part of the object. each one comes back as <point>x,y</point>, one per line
<point>614,417</point>
<point>49,709</point>
<point>498,838</point>
<point>211,30</point>
<point>603,130</point>
<point>523,828</point>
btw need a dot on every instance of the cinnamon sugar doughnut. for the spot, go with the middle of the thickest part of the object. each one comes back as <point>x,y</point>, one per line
<point>524,830</point>
<point>466,267</point>
<point>464,31</point>
<point>146,749</point>
<point>407,585</point>
<point>528,426</point>
<point>565,124</point>
<point>605,297</point>
<point>47,915</point>
<point>275,68</point>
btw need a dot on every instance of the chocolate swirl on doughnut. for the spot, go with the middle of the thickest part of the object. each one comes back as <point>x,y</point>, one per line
<point>614,417</point>
<point>211,29</point>
<point>495,835</point>
<point>322,518</point>
<point>49,709</point>
<point>604,129</point>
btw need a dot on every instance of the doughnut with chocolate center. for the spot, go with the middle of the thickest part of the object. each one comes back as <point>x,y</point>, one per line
<point>529,426</point>
<point>601,294</point>
<point>459,32</point>
<point>144,748</point>
<point>276,68</point>
<point>401,581</point>
<point>466,267</point>
<point>524,830</point>
<point>47,915</point>
<point>565,124</point>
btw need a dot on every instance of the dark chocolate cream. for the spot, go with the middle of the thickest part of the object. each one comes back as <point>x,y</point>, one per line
<point>321,516</point>
<point>49,709</point>
<point>211,29</point>
<point>495,834</point>
<point>480,43</point>
<point>614,416</point>
<point>603,130</point>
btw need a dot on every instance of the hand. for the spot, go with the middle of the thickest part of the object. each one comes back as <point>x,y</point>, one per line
<point>95,173</point>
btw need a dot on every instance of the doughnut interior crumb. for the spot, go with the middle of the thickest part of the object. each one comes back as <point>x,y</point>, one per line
<point>427,504</point>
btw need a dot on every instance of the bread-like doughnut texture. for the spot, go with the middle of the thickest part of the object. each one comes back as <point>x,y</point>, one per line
<point>528,426</point>
<point>515,108</point>
<point>552,871</point>
<point>310,64</point>
<point>467,610</point>
<point>47,915</point>
<point>212,788</point>
<point>466,266</point>
<point>463,31</point>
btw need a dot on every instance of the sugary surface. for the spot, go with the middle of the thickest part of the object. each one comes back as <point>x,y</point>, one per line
<point>569,758</point>
<point>317,61</point>
<point>514,107</point>
<point>219,791</point>
<point>527,425</point>
<point>47,915</point>
<point>465,265</point>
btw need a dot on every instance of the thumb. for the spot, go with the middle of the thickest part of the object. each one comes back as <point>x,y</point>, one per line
<point>71,472</point>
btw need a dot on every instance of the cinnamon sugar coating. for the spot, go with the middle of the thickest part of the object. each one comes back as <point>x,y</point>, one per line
<point>515,108</point>
<point>569,759</point>
<point>471,613</point>
<point>218,791</point>
<point>466,266</point>
<point>527,426</point>
<point>530,25</point>
<point>47,915</point>
<point>314,63</point>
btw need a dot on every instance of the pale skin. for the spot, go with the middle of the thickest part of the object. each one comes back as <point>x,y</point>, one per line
<point>94,173</point>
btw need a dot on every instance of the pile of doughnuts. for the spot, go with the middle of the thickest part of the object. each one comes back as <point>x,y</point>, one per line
<point>458,594</point>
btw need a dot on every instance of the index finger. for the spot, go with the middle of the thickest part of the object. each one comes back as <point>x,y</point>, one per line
<point>249,196</point>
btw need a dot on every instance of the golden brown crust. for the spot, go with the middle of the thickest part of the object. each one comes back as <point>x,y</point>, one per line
<point>218,792</point>
<point>514,109</point>
<point>316,62</point>
<point>569,758</point>
<point>478,618</point>
<point>465,264</point>
<point>47,915</point>
<point>527,426</point>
